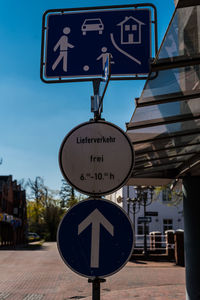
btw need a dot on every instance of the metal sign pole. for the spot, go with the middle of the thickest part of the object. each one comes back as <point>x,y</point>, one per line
<point>96,99</point>
<point>96,287</point>
<point>98,85</point>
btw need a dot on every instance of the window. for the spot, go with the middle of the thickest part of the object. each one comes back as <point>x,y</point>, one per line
<point>15,211</point>
<point>167,224</point>
<point>166,195</point>
<point>134,27</point>
<point>4,204</point>
<point>127,27</point>
<point>140,228</point>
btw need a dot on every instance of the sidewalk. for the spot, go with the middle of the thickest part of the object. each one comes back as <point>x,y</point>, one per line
<point>151,281</point>
<point>42,275</point>
<point>152,293</point>
<point>161,290</point>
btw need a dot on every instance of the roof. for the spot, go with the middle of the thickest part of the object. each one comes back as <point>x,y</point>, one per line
<point>4,179</point>
<point>165,126</point>
<point>130,18</point>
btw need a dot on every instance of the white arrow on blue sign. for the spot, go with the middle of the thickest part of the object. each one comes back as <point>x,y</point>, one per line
<point>77,43</point>
<point>95,219</point>
<point>95,238</point>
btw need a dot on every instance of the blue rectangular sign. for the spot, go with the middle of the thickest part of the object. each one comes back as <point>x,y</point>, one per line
<point>77,43</point>
<point>144,219</point>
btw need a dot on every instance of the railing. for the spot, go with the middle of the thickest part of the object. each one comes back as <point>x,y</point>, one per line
<point>154,242</point>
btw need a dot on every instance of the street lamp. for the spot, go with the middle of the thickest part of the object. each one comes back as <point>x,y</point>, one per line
<point>144,195</point>
<point>135,208</point>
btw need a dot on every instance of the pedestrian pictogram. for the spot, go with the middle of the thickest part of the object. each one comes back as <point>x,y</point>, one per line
<point>95,237</point>
<point>78,43</point>
<point>63,45</point>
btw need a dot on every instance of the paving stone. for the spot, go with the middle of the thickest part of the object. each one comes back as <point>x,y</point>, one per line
<point>4,295</point>
<point>42,275</point>
<point>33,297</point>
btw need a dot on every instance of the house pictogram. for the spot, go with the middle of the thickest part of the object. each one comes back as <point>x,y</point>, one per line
<point>130,30</point>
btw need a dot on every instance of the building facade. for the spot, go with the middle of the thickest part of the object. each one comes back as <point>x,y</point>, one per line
<point>13,214</point>
<point>164,211</point>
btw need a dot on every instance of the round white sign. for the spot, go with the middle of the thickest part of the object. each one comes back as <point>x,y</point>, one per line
<point>96,158</point>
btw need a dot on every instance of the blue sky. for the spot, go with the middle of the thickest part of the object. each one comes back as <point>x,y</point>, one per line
<point>35,117</point>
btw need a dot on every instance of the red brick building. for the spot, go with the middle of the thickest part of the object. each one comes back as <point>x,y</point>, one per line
<point>13,217</point>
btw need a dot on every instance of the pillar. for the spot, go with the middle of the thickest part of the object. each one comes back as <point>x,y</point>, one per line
<point>191,202</point>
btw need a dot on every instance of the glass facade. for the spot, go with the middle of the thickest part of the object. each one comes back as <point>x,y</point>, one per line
<point>165,126</point>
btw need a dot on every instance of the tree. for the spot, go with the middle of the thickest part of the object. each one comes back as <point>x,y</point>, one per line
<point>52,217</point>
<point>43,209</point>
<point>175,195</point>
<point>38,193</point>
<point>68,195</point>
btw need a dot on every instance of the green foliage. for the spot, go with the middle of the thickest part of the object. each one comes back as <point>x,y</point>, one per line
<point>37,190</point>
<point>45,207</point>
<point>174,197</point>
<point>52,216</point>
<point>34,211</point>
<point>69,197</point>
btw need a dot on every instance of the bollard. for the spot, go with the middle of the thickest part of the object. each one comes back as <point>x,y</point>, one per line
<point>170,244</point>
<point>179,247</point>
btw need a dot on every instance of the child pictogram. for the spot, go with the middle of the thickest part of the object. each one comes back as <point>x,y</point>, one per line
<point>104,56</point>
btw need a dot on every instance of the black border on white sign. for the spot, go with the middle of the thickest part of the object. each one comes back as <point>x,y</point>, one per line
<point>108,191</point>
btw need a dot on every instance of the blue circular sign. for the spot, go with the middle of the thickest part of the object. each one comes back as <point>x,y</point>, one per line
<point>95,238</point>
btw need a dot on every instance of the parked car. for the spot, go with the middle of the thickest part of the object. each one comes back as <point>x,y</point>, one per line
<point>32,237</point>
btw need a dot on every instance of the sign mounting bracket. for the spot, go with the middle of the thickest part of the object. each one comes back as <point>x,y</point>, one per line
<point>99,88</point>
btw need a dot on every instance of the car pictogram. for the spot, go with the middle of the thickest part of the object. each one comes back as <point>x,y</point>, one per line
<point>92,25</point>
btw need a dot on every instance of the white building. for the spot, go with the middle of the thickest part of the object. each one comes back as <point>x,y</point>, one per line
<point>116,197</point>
<point>164,212</point>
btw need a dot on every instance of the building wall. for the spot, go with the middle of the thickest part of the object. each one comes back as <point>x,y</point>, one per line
<point>13,217</point>
<point>165,209</point>
<point>116,197</point>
